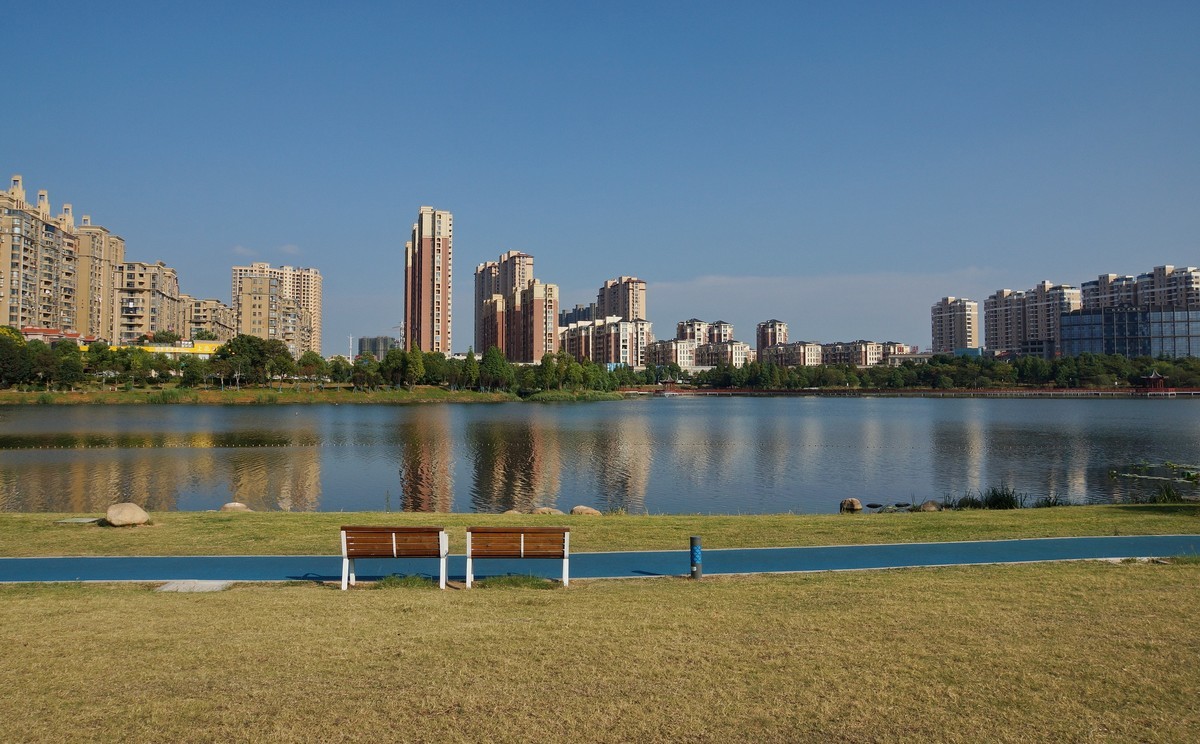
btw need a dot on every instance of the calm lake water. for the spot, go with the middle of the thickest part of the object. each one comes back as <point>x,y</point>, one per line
<point>724,455</point>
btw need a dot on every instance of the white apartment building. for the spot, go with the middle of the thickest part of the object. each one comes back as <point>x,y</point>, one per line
<point>954,324</point>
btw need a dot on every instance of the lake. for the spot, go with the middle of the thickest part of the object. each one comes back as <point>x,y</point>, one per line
<point>661,456</point>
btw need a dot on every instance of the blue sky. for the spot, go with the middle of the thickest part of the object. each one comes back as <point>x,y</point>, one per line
<point>839,166</point>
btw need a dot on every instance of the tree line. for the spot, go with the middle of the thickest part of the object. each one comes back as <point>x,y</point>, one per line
<point>249,360</point>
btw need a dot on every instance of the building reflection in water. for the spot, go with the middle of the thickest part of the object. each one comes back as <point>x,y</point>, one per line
<point>426,460</point>
<point>82,484</point>
<point>288,479</point>
<point>958,459</point>
<point>621,454</point>
<point>516,464</point>
<point>83,475</point>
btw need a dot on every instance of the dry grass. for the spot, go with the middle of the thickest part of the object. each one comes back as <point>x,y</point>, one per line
<point>1065,652</point>
<point>276,533</point>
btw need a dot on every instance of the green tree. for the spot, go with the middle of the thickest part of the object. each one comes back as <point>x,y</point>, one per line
<point>365,372</point>
<point>43,362</point>
<point>204,335</point>
<point>312,366</point>
<point>470,375</point>
<point>414,367</point>
<point>15,364</point>
<point>165,337</point>
<point>339,369</point>
<point>495,371</point>
<point>193,370</point>
<point>391,368</point>
<point>435,367</point>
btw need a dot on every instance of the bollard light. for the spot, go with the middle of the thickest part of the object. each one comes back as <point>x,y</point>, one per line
<point>697,571</point>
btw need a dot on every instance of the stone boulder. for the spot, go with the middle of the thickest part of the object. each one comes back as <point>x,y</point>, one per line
<point>235,506</point>
<point>586,511</point>
<point>126,515</point>
<point>514,511</point>
<point>930,506</point>
<point>849,506</point>
<point>547,510</point>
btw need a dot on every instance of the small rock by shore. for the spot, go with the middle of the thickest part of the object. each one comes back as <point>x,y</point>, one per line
<point>126,515</point>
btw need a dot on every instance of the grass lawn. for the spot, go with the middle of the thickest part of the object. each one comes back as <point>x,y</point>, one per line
<point>316,533</point>
<point>1040,652</point>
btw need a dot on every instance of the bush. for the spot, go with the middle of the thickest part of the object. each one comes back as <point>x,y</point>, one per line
<point>165,396</point>
<point>1004,497</point>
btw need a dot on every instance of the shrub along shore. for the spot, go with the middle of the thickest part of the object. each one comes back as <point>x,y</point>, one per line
<point>316,533</point>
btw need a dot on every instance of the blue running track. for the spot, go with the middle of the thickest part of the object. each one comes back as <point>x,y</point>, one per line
<point>601,565</point>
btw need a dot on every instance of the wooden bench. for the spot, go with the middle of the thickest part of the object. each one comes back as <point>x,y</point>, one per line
<point>518,542</point>
<point>392,542</point>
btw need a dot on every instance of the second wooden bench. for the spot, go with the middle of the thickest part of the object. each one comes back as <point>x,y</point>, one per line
<point>518,542</point>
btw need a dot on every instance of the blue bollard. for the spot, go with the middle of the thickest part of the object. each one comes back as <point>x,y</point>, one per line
<point>697,570</point>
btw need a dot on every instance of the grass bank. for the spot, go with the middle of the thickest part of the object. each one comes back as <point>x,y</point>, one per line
<point>1064,652</point>
<point>251,396</point>
<point>280,533</point>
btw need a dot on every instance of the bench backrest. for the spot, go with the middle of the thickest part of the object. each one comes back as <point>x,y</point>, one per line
<point>392,542</point>
<point>518,542</point>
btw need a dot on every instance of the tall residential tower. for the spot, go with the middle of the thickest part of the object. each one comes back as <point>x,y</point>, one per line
<point>428,266</point>
<point>298,324</point>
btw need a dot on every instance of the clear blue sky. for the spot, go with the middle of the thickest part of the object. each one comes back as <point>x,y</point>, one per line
<point>839,166</point>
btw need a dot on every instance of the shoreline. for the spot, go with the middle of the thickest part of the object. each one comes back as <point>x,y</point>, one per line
<point>426,395</point>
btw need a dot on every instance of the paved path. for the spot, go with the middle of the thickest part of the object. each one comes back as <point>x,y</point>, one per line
<point>602,565</point>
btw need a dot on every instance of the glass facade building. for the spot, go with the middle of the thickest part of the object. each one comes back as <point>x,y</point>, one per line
<point>1132,332</point>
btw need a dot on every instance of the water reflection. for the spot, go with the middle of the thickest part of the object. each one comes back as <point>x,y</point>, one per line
<point>426,460</point>
<point>516,464</point>
<point>727,455</point>
<point>621,454</point>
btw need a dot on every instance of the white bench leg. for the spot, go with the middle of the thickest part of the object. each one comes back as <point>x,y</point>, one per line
<point>345,572</point>
<point>470,575</point>
<point>566,578</point>
<point>352,577</point>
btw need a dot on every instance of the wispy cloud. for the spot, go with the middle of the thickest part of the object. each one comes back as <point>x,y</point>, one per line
<point>290,249</point>
<point>241,250</point>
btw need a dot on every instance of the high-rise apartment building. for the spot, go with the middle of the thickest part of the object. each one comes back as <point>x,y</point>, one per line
<point>793,354</point>
<point>1029,322</point>
<point>38,262</point>
<point>770,333</point>
<point>428,283</point>
<point>148,302</point>
<point>296,313</point>
<point>532,323</point>
<point>692,330</point>
<point>1167,286</point>
<point>100,254</point>
<point>504,276</point>
<point>858,353</point>
<point>610,341</point>
<point>208,315</point>
<point>624,297</point>
<point>1109,290</point>
<point>265,309</point>
<point>955,324</point>
<point>377,346</point>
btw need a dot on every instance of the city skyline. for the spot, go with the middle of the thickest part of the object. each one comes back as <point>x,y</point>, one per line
<point>869,158</point>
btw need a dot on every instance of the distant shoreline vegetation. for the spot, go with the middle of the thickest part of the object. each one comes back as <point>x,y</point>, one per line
<point>249,370</point>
